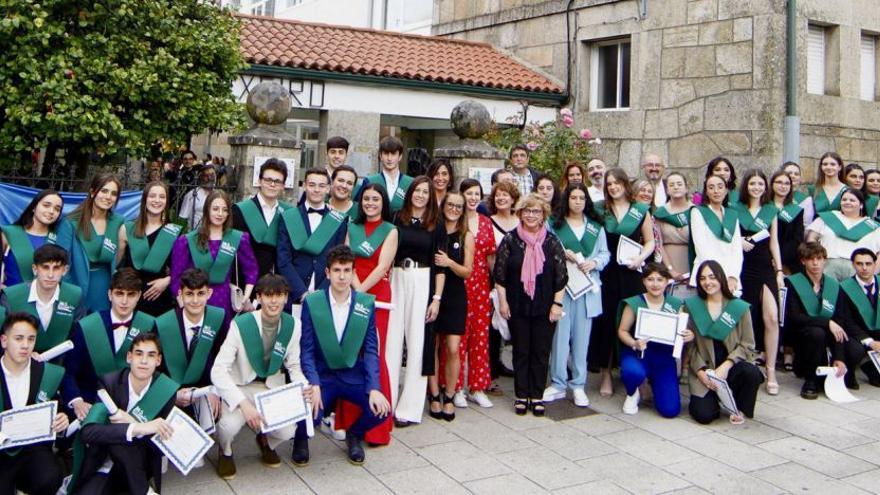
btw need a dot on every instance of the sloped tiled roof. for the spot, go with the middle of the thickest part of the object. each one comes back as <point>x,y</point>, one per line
<point>342,49</point>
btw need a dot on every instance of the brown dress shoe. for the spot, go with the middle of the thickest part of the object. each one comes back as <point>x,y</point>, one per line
<point>267,455</point>
<point>226,467</point>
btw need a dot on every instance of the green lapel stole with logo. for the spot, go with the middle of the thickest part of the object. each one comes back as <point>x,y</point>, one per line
<point>631,220</point>
<point>49,382</point>
<point>340,355</point>
<point>815,307</point>
<point>312,244</point>
<point>101,348</point>
<point>821,202</point>
<point>721,229</point>
<point>677,220</point>
<point>856,292</point>
<point>218,267</point>
<point>800,196</point>
<point>670,305</point>
<point>395,197</point>
<point>174,348</point>
<point>853,234</point>
<point>21,247</point>
<point>102,248</point>
<point>790,211</point>
<point>586,244</point>
<point>759,222</point>
<point>151,258</point>
<point>715,329</point>
<point>871,203</point>
<point>253,343</point>
<point>62,317</point>
<point>256,222</point>
<point>364,246</point>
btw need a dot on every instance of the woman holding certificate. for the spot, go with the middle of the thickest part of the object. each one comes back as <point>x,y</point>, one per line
<point>721,356</point>
<point>672,220</point>
<point>762,267</point>
<point>829,186</point>
<point>715,233</point>
<point>579,228</point>
<point>641,359</point>
<point>629,223</point>
<point>530,277</point>
<point>841,232</point>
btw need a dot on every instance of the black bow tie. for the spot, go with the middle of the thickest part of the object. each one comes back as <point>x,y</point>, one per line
<point>120,324</point>
<point>316,210</point>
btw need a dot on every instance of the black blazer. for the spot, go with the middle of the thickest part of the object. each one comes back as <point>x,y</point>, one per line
<point>205,378</point>
<point>37,368</point>
<point>796,316</point>
<point>264,253</point>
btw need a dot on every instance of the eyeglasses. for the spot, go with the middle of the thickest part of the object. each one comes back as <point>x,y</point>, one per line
<point>533,212</point>
<point>652,164</point>
<point>272,182</point>
<point>453,206</point>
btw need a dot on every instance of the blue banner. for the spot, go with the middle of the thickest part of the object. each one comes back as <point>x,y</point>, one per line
<point>15,198</point>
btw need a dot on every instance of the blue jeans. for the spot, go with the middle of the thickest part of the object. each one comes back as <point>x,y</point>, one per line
<point>659,367</point>
<point>572,337</point>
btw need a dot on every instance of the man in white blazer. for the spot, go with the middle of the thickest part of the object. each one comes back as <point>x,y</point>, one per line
<point>250,361</point>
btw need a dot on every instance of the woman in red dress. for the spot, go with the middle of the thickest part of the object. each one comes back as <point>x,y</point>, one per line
<point>374,241</point>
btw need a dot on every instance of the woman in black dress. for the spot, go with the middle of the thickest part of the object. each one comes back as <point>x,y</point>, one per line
<point>151,238</point>
<point>457,258</point>
<point>624,217</point>
<point>762,267</point>
<point>790,230</point>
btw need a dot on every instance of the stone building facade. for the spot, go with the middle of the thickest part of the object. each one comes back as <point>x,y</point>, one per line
<point>706,77</point>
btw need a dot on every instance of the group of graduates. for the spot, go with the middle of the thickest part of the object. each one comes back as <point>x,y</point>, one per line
<point>337,289</point>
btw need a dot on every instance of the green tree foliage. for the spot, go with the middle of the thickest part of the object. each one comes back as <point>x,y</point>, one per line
<point>112,76</point>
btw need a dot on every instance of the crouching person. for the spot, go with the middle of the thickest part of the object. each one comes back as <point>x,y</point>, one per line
<point>249,362</point>
<point>340,354</point>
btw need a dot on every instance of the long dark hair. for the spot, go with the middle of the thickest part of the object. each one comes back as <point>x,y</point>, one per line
<point>706,196</point>
<point>26,219</point>
<point>434,169</point>
<point>461,226</point>
<point>204,234</point>
<point>790,196</point>
<point>361,217</point>
<point>431,214</point>
<point>562,209</point>
<point>82,215</point>
<point>855,166</point>
<point>541,177</point>
<point>820,177</point>
<point>859,196</point>
<point>620,176</point>
<point>744,196</point>
<point>716,270</point>
<point>140,223</point>
<point>713,163</point>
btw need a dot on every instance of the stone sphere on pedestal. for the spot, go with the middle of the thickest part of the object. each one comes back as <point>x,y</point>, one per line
<point>268,103</point>
<point>470,120</point>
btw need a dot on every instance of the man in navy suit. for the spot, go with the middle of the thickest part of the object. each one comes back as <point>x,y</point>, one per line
<point>101,341</point>
<point>305,234</point>
<point>339,350</point>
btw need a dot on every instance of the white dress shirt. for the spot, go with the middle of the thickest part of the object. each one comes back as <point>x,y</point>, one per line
<point>188,325</point>
<point>391,185</point>
<point>119,333</point>
<point>659,194</point>
<point>268,211</point>
<point>314,221</point>
<point>596,194</point>
<point>19,386</point>
<point>133,399</point>
<point>340,314</point>
<point>44,309</point>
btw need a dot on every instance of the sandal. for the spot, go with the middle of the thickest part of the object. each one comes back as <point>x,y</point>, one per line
<point>494,390</point>
<point>435,399</point>
<point>737,419</point>
<point>448,400</point>
<point>520,406</point>
<point>538,408</point>
<point>772,388</point>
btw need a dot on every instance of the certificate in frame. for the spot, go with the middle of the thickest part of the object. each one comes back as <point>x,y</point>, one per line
<point>194,440</point>
<point>273,400</point>
<point>657,326</point>
<point>36,414</point>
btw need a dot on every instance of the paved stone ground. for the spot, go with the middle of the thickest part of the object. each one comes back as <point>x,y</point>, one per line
<point>792,446</point>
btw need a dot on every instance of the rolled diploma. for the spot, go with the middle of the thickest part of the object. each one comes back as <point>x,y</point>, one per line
<point>384,305</point>
<point>202,392</point>
<point>56,351</point>
<point>108,402</point>
<point>74,426</point>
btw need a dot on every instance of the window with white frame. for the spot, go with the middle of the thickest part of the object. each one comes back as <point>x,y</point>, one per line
<point>816,37</point>
<point>610,74</point>
<point>868,66</point>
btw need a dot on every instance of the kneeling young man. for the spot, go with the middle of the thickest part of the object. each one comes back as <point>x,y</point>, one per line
<point>25,381</point>
<point>118,455</point>
<point>863,311</point>
<point>249,362</point>
<point>340,355</point>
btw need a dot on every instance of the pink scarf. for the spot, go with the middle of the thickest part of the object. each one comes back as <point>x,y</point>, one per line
<point>533,260</point>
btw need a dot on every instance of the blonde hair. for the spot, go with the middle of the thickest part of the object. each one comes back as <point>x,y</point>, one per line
<point>532,200</point>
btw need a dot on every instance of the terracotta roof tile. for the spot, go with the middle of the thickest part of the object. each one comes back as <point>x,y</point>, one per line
<point>345,49</point>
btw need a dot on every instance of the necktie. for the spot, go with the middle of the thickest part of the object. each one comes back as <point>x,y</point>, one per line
<point>316,210</point>
<point>120,324</point>
<point>195,337</point>
<point>869,290</point>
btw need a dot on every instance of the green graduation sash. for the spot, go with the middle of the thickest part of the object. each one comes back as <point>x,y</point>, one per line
<point>395,197</point>
<point>51,379</point>
<point>62,316</point>
<point>218,267</point>
<point>789,212</point>
<point>670,305</point>
<point>631,220</point>
<point>364,246</point>
<point>312,244</point>
<point>852,234</point>
<point>253,343</point>
<point>256,222</point>
<point>723,230</point>
<point>98,341</point>
<point>856,292</point>
<point>174,349</point>
<point>759,222</point>
<point>871,203</point>
<point>102,248</point>
<point>677,220</point>
<point>800,196</point>
<point>814,307</point>
<point>715,329</point>
<point>151,258</point>
<point>23,250</point>
<point>821,202</point>
<point>586,243</point>
<point>340,355</point>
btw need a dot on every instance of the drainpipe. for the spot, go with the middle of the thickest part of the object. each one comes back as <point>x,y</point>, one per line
<point>792,130</point>
<point>568,92</point>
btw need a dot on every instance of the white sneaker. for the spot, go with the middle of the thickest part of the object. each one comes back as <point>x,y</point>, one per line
<point>328,427</point>
<point>460,400</point>
<point>580,397</point>
<point>552,393</point>
<point>481,399</point>
<point>631,404</point>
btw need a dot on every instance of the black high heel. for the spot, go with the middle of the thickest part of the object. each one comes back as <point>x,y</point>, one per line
<point>435,414</point>
<point>448,400</point>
